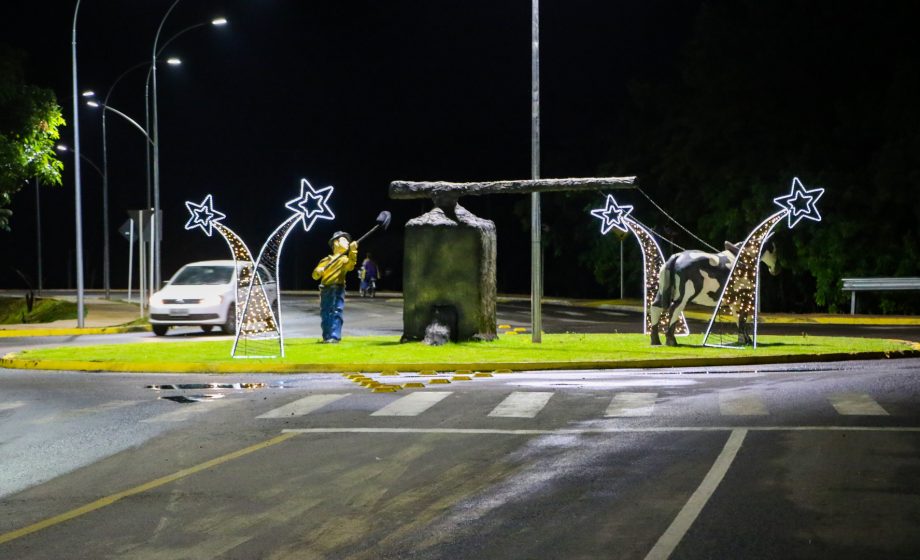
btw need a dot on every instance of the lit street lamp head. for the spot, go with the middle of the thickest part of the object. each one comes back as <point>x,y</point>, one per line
<point>217,22</point>
<point>173,61</point>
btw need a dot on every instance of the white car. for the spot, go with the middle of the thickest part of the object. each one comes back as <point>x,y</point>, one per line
<point>202,294</point>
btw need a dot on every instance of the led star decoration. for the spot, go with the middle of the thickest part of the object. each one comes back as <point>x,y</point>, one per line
<point>800,203</point>
<point>203,215</point>
<point>612,216</point>
<point>312,204</point>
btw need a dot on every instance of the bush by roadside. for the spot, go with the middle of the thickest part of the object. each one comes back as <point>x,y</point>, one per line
<point>15,311</point>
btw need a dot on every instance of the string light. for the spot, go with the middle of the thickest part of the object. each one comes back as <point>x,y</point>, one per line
<point>311,205</point>
<point>261,322</point>
<point>800,203</point>
<point>740,295</point>
<point>614,215</point>
<point>203,215</point>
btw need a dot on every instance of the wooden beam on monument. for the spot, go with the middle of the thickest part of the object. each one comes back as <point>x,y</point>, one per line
<point>439,189</point>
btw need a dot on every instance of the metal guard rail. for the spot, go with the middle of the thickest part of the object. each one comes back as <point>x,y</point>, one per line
<point>854,285</point>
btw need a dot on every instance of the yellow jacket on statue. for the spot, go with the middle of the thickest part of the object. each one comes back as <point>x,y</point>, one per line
<point>331,269</point>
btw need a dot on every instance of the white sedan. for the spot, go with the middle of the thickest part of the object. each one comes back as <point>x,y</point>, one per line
<point>202,294</point>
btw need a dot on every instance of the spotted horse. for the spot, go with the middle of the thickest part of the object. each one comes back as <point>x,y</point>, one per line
<point>697,277</point>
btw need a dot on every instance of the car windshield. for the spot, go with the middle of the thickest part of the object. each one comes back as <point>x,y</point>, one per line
<point>203,275</point>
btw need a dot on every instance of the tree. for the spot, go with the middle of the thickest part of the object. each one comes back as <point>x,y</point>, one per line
<point>29,121</point>
<point>771,90</point>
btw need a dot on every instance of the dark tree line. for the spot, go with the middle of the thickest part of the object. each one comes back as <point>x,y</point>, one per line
<point>765,91</point>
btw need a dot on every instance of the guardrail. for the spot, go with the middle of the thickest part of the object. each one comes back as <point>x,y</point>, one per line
<point>854,285</point>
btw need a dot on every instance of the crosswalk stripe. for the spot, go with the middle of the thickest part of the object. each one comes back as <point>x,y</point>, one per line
<point>856,404</point>
<point>735,405</point>
<point>303,406</point>
<point>11,405</point>
<point>111,405</point>
<point>187,411</point>
<point>412,404</point>
<point>521,404</point>
<point>631,404</point>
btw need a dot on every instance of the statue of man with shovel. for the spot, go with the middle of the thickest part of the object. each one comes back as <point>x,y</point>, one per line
<point>331,272</point>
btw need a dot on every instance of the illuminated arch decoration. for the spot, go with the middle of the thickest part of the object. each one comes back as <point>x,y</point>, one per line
<point>740,298</point>
<point>259,332</point>
<point>204,216</point>
<point>615,216</point>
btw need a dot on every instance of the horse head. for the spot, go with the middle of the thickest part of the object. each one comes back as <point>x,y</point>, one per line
<point>769,257</point>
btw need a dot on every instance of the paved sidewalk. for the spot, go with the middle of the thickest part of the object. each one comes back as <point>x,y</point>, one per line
<point>101,313</point>
<point>110,316</point>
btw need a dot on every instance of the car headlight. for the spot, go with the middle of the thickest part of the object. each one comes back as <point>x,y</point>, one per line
<point>212,300</point>
<point>155,300</point>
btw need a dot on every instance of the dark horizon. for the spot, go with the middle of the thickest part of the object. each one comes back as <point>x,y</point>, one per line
<point>358,94</point>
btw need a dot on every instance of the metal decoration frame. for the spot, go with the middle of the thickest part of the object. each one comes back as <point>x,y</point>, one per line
<point>741,292</point>
<point>259,319</point>
<point>614,215</point>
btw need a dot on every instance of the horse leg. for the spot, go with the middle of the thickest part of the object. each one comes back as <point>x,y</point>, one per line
<point>674,315</point>
<point>654,317</point>
<point>743,337</point>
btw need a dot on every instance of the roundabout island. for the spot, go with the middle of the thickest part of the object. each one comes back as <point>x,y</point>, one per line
<point>510,352</point>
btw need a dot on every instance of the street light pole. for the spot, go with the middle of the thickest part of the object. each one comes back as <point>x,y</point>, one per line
<point>154,235</point>
<point>106,259</point>
<point>38,233</point>
<point>78,195</point>
<point>536,252</point>
<point>156,135</point>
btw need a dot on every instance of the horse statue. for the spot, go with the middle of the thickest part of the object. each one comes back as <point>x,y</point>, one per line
<point>698,277</point>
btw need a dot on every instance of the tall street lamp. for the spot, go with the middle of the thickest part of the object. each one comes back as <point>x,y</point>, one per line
<point>536,252</point>
<point>106,268</point>
<point>78,196</point>
<point>156,138</point>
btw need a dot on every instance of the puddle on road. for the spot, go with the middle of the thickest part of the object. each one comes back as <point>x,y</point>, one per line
<point>201,397</point>
<point>185,399</point>
<point>199,386</point>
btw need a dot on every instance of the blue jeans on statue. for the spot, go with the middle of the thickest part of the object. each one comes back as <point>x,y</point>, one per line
<point>332,310</point>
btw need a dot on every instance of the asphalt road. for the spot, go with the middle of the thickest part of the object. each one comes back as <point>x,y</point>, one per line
<point>815,461</point>
<point>812,461</point>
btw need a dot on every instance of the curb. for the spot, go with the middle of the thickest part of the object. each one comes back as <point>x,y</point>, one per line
<point>249,366</point>
<point>14,333</point>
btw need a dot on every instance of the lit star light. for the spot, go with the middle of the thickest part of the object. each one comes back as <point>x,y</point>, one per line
<point>800,203</point>
<point>203,215</point>
<point>312,204</point>
<point>612,216</point>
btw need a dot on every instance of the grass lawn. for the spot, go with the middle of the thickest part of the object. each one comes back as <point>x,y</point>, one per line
<point>378,351</point>
<point>44,310</point>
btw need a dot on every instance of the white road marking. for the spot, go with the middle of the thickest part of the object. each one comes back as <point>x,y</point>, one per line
<point>632,404</point>
<point>412,404</point>
<point>856,404</point>
<point>672,536</point>
<point>521,404</point>
<point>11,405</point>
<point>111,405</point>
<point>569,431</point>
<point>303,406</point>
<point>188,410</point>
<point>737,405</point>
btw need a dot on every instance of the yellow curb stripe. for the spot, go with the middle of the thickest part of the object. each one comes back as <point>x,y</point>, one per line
<point>16,333</point>
<point>109,500</point>
<point>249,366</point>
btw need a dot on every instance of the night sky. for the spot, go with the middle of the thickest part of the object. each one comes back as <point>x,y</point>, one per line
<point>344,93</point>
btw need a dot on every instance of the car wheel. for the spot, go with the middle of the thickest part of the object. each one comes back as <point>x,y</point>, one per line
<point>207,328</point>
<point>229,327</point>
<point>160,330</point>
